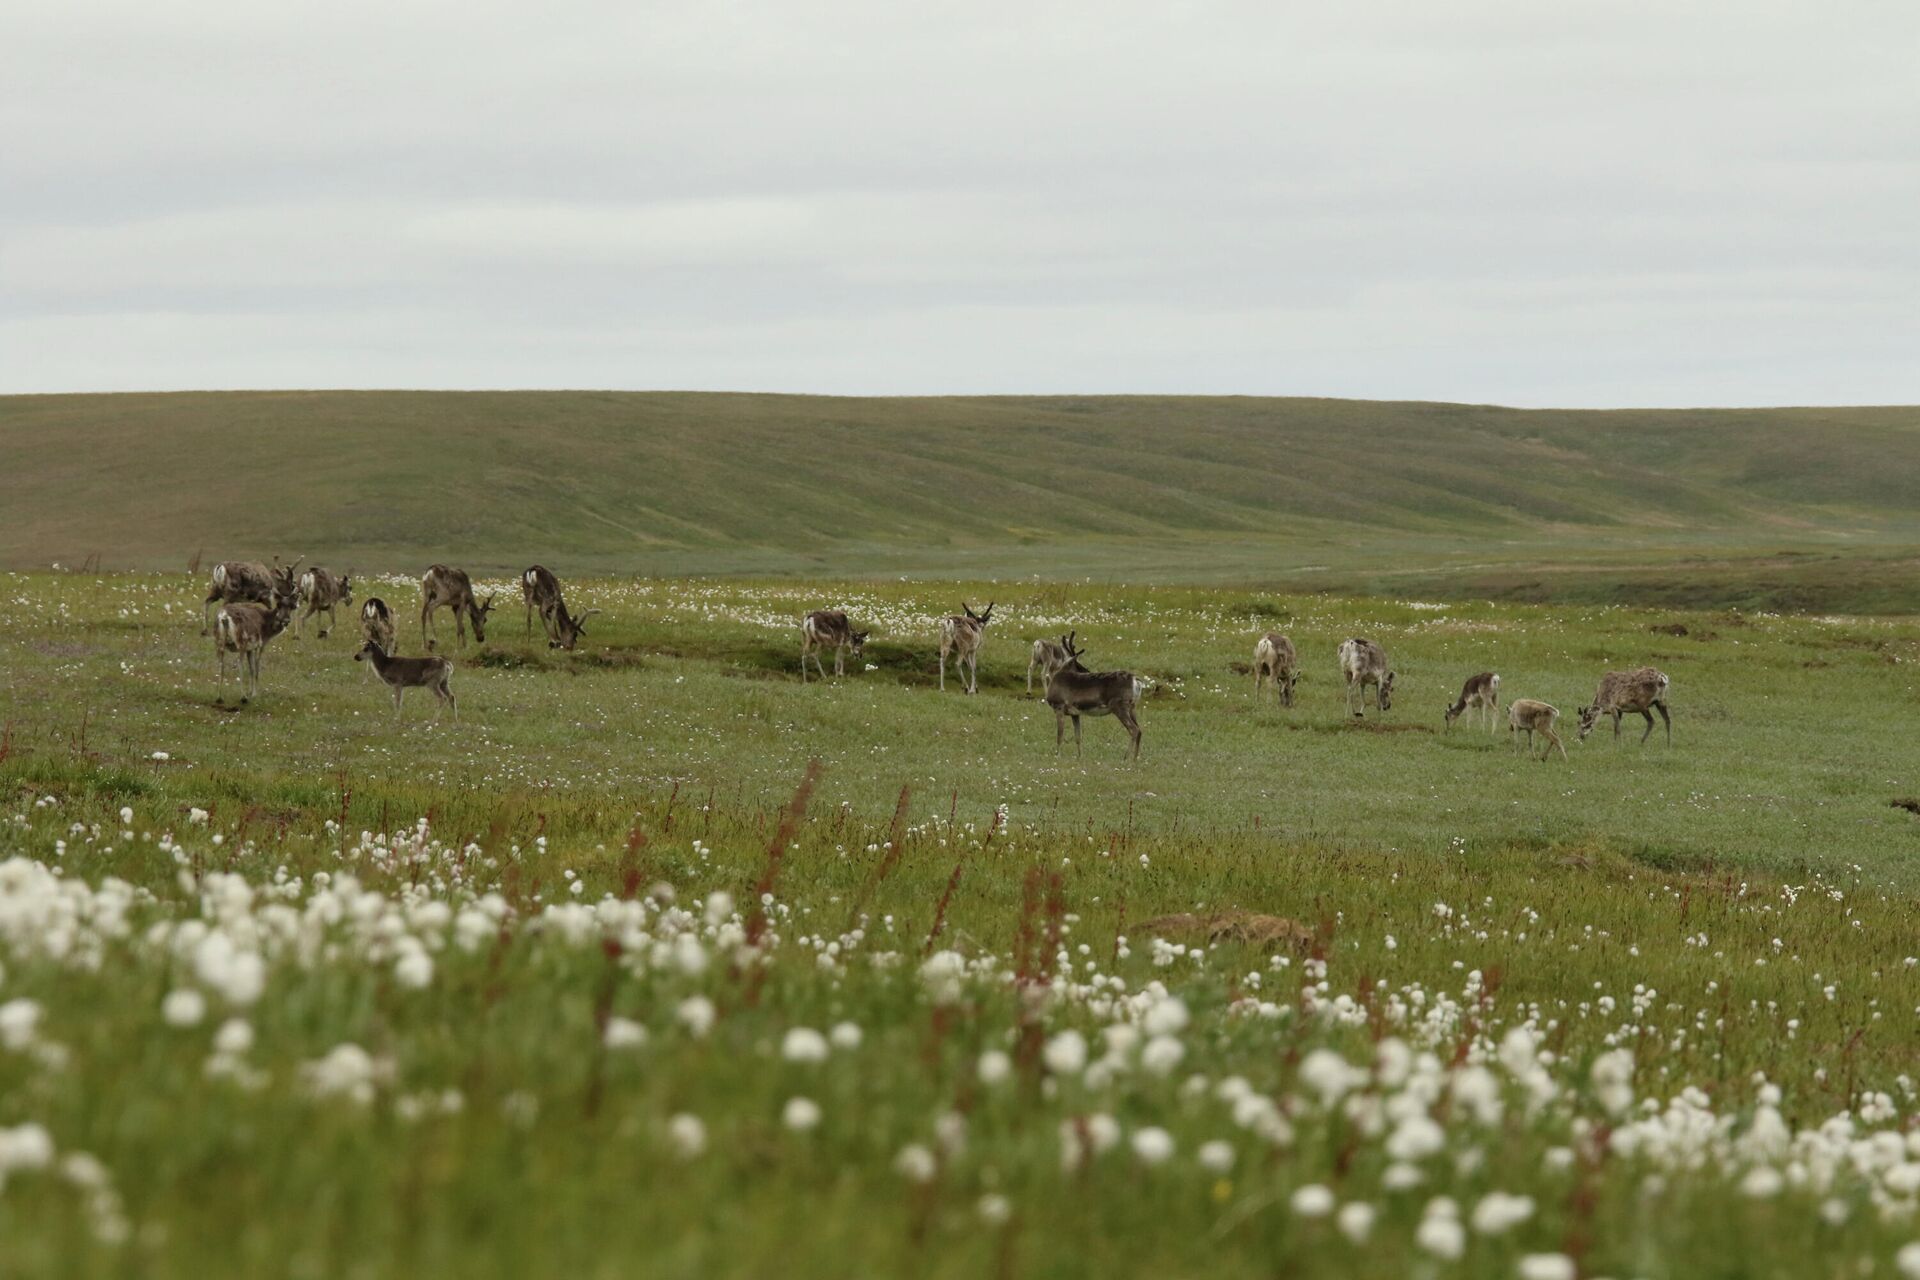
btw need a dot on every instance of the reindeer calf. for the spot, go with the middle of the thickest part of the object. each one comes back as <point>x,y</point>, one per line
<point>244,628</point>
<point>1048,657</point>
<point>1480,693</point>
<point>961,635</point>
<point>321,592</point>
<point>829,629</point>
<point>402,674</point>
<point>1530,715</point>
<point>236,581</point>
<point>1274,660</point>
<point>376,623</point>
<point>1363,663</point>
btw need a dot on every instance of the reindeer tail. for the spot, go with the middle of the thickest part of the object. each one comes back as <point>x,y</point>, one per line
<point>223,628</point>
<point>1495,682</point>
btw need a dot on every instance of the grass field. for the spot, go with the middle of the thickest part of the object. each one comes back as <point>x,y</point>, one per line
<point>1785,509</point>
<point>603,979</point>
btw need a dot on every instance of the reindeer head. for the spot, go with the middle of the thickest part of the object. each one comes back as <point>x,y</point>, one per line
<point>1386,691</point>
<point>478,617</point>
<point>1589,717</point>
<point>1455,711</point>
<point>371,649</point>
<point>346,587</point>
<point>570,629</point>
<point>860,642</point>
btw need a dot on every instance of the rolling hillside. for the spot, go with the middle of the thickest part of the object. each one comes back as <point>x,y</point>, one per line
<point>1801,507</point>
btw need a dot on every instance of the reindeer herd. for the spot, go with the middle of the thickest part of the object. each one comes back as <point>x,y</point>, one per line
<point>256,602</point>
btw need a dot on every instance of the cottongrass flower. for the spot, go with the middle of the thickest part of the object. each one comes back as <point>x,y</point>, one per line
<point>183,1008</point>
<point>1907,1261</point>
<point>1066,1053</point>
<point>916,1164</point>
<point>1498,1213</point>
<point>1546,1266</point>
<point>1329,1075</point>
<point>1312,1201</point>
<point>802,1115</point>
<point>414,968</point>
<point>688,1135</point>
<point>1169,1017</point>
<point>1152,1145</point>
<point>347,1071</point>
<point>994,1067</point>
<point>1440,1232</point>
<point>1613,1080</point>
<point>1162,1055</point>
<point>942,974</point>
<point>994,1209</point>
<point>234,1037</point>
<point>845,1035</point>
<point>696,1015</point>
<point>1216,1156</point>
<point>1355,1220</point>
<point>1762,1182</point>
<point>804,1044</point>
<point>624,1033</point>
<point>26,1146</point>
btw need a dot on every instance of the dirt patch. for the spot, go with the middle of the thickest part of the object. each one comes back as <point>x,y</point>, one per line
<point>1908,803</point>
<point>1378,726</point>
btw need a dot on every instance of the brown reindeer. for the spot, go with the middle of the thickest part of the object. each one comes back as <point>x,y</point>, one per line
<point>243,628</point>
<point>451,588</point>
<point>1363,663</point>
<point>402,674</point>
<point>1075,691</point>
<point>1643,691</point>
<point>541,590</point>
<point>828,629</point>
<point>321,592</point>
<point>376,623</point>
<point>1274,660</point>
<point>961,635</point>
<point>248,581</point>
<point>1048,657</point>
<point>1530,715</point>
<point>1480,693</point>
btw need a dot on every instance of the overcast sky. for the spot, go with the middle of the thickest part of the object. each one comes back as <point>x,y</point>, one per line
<point>1534,203</point>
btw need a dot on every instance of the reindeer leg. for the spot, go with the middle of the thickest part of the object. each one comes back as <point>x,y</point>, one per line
<point>1661,707</point>
<point>426,620</point>
<point>399,692</point>
<point>1131,724</point>
<point>1554,738</point>
<point>1076,737</point>
<point>1616,726</point>
<point>1649,732</point>
<point>1059,730</point>
<point>943,668</point>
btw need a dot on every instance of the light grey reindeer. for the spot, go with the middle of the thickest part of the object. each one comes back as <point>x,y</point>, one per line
<point>1530,716</point>
<point>243,628</point>
<point>961,635</point>
<point>1048,657</point>
<point>1074,691</point>
<point>1274,659</point>
<point>829,629</point>
<point>321,592</point>
<point>402,674</point>
<point>443,588</point>
<point>248,581</point>
<point>1363,663</point>
<point>1620,692</point>
<point>540,589</point>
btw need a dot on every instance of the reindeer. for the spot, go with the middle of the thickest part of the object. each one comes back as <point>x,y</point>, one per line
<point>1364,663</point>
<point>402,674</point>
<point>451,588</point>
<point>961,637</point>
<point>376,622</point>
<point>1073,691</point>
<point>1480,693</point>
<point>1620,692</point>
<point>1048,657</point>
<point>540,589</point>
<point>1532,715</point>
<point>246,581</point>
<point>244,628</point>
<point>321,592</point>
<point>828,629</point>
<point>1274,659</point>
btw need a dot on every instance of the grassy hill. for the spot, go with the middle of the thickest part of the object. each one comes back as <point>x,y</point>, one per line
<point>1803,508</point>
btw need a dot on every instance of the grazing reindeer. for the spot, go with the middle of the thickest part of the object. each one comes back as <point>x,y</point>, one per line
<point>243,628</point>
<point>828,629</point>
<point>376,623</point>
<point>1364,663</point>
<point>1073,691</point>
<point>1644,691</point>
<point>1480,693</point>
<point>1048,657</point>
<point>1533,715</point>
<point>1274,659</point>
<point>961,637</point>
<point>321,592</point>
<point>402,674</point>
<point>540,589</point>
<point>246,581</point>
<point>451,588</point>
